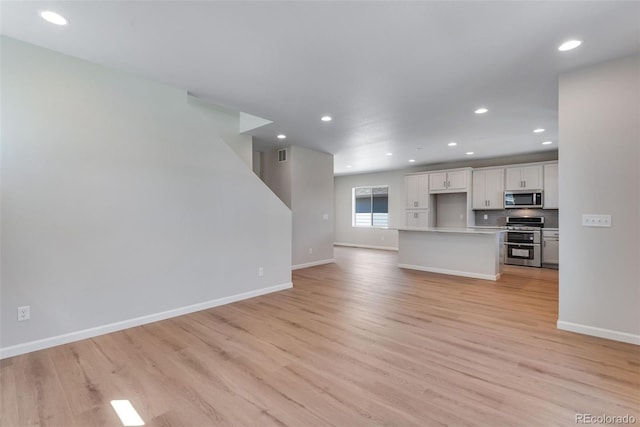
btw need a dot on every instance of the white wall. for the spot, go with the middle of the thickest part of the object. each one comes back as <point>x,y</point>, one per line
<point>369,237</point>
<point>451,210</point>
<point>121,204</point>
<point>599,171</point>
<point>277,175</point>
<point>305,183</point>
<point>312,206</point>
<point>243,147</point>
<point>257,162</point>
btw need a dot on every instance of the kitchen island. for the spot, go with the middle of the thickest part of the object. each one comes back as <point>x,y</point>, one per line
<point>469,252</point>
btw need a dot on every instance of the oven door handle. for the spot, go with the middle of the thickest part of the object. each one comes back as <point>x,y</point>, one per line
<point>521,244</point>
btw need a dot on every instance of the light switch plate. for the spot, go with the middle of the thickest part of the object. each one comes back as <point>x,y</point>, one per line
<point>589,220</point>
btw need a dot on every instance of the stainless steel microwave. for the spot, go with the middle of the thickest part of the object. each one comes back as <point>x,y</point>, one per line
<point>523,199</point>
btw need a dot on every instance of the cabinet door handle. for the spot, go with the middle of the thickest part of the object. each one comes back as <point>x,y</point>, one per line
<point>524,184</point>
<point>488,202</point>
<point>444,184</point>
<point>415,215</point>
<point>544,244</point>
<point>415,204</point>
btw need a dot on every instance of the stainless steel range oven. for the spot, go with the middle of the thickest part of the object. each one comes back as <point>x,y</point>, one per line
<point>522,241</point>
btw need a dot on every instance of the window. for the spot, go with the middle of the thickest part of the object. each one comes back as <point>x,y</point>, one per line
<point>371,206</point>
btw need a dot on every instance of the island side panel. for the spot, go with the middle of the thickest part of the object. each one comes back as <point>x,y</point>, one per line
<point>471,254</point>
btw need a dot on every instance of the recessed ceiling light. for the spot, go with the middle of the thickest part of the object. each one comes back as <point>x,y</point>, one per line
<point>452,144</point>
<point>481,110</point>
<point>326,118</point>
<point>54,18</point>
<point>539,130</point>
<point>349,166</point>
<point>547,142</point>
<point>389,154</point>
<point>282,136</point>
<point>568,45</point>
<point>412,160</point>
<point>469,153</point>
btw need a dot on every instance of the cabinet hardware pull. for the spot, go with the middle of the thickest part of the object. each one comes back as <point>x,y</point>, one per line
<point>415,204</point>
<point>444,184</point>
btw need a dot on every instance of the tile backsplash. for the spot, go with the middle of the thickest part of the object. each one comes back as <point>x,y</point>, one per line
<point>499,218</point>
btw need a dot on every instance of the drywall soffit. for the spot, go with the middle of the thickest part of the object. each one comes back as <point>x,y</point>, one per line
<point>249,122</point>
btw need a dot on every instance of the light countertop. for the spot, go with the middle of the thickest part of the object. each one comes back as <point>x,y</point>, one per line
<point>465,230</point>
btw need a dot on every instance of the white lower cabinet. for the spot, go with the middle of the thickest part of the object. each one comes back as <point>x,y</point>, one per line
<point>417,218</point>
<point>550,247</point>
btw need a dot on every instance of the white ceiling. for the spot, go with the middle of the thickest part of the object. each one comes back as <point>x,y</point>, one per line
<point>400,77</point>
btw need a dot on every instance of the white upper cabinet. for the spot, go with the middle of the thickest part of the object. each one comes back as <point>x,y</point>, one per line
<point>449,181</point>
<point>488,189</point>
<point>550,196</point>
<point>417,191</point>
<point>457,180</point>
<point>524,178</point>
<point>438,181</point>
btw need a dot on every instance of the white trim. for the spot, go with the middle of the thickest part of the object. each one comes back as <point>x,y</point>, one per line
<point>354,245</point>
<point>493,277</point>
<point>28,347</point>
<point>599,332</point>
<point>313,264</point>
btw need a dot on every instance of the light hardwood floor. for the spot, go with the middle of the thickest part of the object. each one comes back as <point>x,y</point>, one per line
<point>355,343</point>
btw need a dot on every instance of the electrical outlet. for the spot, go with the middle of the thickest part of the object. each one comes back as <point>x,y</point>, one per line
<point>325,217</point>
<point>596,220</point>
<point>486,216</point>
<point>310,251</point>
<point>260,271</point>
<point>24,313</point>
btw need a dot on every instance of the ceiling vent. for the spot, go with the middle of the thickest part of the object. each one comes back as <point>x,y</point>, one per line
<point>282,155</point>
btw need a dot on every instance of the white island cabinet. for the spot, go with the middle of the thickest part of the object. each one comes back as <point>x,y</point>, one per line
<point>469,252</point>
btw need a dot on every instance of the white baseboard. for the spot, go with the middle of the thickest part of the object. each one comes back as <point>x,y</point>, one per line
<point>28,347</point>
<point>354,245</point>
<point>599,332</point>
<point>312,264</point>
<point>493,277</point>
